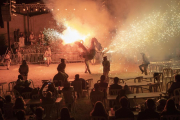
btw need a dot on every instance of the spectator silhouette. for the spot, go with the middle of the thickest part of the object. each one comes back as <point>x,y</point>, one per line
<point>96,92</point>
<point>84,83</point>
<point>68,93</point>
<point>1,105</point>
<point>49,99</point>
<point>8,107</point>
<point>117,103</point>
<point>161,104</point>
<point>1,116</point>
<point>65,115</point>
<point>150,112</point>
<point>52,88</point>
<point>174,85</point>
<point>27,88</point>
<point>103,83</point>
<point>19,104</point>
<point>39,113</point>
<point>62,65</point>
<point>99,110</point>
<point>127,90</point>
<point>24,69</point>
<point>19,84</point>
<point>170,108</point>
<point>20,115</point>
<point>115,85</point>
<point>124,111</point>
<point>60,76</point>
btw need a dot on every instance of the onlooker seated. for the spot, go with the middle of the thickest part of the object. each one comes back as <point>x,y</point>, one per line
<point>19,84</point>
<point>68,93</point>
<point>1,105</point>
<point>84,83</point>
<point>65,114</point>
<point>174,85</point>
<point>27,88</point>
<point>49,99</point>
<point>62,65</point>
<point>1,116</point>
<point>150,112</point>
<point>52,88</point>
<point>99,110</point>
<point>19,104</point>
<point>20,115</point>
<point>24,69</point>
<point>78,85</point>
<point>60,76</point>
<point>127,90</point>
<point>96,92</point>
<point>170,108</point>
<point>39,113</point>
<point>161,104</point>
<point>117,103</point>
<point>103,83</point>
<point>115,85</point>
<point>124,111</point>
<point>8,107</point>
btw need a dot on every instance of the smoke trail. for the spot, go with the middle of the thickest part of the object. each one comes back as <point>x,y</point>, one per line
<point>86,16</point>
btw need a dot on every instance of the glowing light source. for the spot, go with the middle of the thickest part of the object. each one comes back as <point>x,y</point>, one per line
<point>70,35</point>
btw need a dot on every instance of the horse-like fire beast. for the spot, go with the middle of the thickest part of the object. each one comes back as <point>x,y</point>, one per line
<point>89,53</point>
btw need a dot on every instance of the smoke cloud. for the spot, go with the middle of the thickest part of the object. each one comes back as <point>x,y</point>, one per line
<point>124,27</point>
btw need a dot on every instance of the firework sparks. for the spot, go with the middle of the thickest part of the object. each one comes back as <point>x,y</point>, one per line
<point>69,35</point>
<point>153,29</point>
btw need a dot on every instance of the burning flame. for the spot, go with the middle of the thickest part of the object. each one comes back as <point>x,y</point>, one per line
<point>71,35</point>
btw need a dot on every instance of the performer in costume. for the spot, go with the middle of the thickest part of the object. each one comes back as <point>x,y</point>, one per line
<point>89,53</point>
<point>19,55</point>
<point>21,40</point>
<point>106,67</point>
<point>47,56</point>
<point>144,64</point>
<point>41,38</point>
<point>7,59</point>
<point>32,38</point>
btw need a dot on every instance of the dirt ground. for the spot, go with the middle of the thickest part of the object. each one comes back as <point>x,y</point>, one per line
<point>38,72</point>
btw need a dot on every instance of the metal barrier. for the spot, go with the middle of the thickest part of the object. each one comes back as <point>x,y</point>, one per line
<point>38,57</point>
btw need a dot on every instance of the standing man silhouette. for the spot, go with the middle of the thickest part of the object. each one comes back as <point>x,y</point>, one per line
<point>106,67</point>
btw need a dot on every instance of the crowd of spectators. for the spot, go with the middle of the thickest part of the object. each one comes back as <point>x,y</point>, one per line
<point>123,107</point>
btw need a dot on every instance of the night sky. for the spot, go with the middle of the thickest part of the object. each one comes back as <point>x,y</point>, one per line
<point>26,1</point>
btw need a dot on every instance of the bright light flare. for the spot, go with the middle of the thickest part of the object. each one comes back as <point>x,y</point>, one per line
<point>71,35</point>
<point>68,36</point>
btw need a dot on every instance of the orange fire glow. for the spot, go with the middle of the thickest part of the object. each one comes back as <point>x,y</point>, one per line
<point>70,35</point>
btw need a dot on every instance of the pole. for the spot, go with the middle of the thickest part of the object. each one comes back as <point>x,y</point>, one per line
<point>9,43</point>
<point>28,22</point>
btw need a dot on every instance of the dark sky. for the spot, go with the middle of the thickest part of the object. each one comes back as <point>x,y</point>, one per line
<point>26,1</point>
